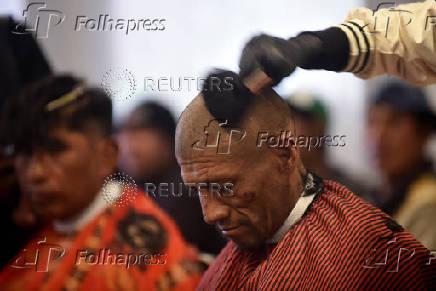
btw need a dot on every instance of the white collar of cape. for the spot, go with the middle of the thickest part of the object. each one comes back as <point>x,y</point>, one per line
<point>97,206</point>
<point>296,213</point>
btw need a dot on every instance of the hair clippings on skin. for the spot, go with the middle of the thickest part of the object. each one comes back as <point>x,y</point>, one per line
<point>65,99</point>
<point>312,184</point>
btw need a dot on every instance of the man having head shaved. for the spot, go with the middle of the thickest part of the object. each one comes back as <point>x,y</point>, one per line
<point>289,228</point>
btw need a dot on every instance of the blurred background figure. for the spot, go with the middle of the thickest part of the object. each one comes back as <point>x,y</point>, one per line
<point>311,118</point>
<point>146,140</point>
<point>21,62</point>
<point>400,123</point>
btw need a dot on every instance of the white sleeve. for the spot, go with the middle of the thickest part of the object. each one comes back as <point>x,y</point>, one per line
<point>398,41</point>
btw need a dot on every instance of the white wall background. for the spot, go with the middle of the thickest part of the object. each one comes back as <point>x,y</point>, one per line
<point>199,35</point>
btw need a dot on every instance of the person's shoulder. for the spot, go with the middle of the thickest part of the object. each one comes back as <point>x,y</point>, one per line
<point>142,226</point>
<point>372,240</point>
<point>143,203</point>
<point>355,218</point>
<point>143,208</point>
<point>137,222</point>
<point>359,222</point>
<point>339,196</point>
<point>420,199</point>
<point>424,187</point>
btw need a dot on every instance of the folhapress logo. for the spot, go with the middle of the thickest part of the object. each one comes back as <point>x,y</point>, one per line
<point>40,257</point>
<point>38,20</point>
<point>216,140</point>
<point>107,23</point>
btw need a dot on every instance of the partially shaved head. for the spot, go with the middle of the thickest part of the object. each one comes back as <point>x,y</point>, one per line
<point>267,112</point>
<point>266,179</point>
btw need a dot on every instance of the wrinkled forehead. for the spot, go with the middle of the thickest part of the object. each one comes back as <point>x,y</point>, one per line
<point>211,139</point>
<point>214,153</point>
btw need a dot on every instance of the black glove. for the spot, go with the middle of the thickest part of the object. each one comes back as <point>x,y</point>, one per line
<point>279,57</point>
<point>272,55</point>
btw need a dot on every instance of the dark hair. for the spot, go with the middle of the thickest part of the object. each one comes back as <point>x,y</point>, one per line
<point>151,114</point>
<point>229,99</point>
<point>408,99</point>
<point>27,120</point>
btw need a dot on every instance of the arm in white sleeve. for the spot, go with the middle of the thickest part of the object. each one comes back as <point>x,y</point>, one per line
<point>399,41</point>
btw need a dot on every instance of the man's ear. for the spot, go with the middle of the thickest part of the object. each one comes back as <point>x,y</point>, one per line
<point>108,156</point>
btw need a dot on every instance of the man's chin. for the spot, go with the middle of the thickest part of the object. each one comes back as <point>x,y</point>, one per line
<point>250,245</point>
<point>43,216</point>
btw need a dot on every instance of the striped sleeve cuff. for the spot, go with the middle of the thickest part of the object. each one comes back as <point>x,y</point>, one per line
<point>360,44</point>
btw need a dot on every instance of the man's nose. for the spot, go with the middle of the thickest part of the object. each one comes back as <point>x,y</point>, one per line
<point>213,209</point>
<point>35,170</point>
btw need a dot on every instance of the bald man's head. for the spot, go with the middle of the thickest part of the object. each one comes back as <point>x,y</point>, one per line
<point>266,180</point>
<point>265,113</point>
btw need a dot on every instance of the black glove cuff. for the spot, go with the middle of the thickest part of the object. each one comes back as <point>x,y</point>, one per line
<point>327,49</point>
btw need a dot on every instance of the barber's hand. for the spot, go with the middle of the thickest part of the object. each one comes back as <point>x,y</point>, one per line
<point>273,55</point>
<point>278,57</point>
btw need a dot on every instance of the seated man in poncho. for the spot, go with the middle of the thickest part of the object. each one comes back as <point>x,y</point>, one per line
<point>66,161</point>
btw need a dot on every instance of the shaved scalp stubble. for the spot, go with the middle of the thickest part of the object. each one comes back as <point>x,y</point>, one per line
<point>266,112</point>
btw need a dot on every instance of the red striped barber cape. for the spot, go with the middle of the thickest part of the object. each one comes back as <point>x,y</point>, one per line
<point>341,242</point>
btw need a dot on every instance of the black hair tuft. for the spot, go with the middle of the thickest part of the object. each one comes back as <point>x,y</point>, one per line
<point>225,96</point>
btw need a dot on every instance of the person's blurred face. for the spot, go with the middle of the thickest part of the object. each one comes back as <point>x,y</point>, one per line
<point>144,152</point>
<point>396,139</point>
<point>60,181</point>
<point>262,194</point>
